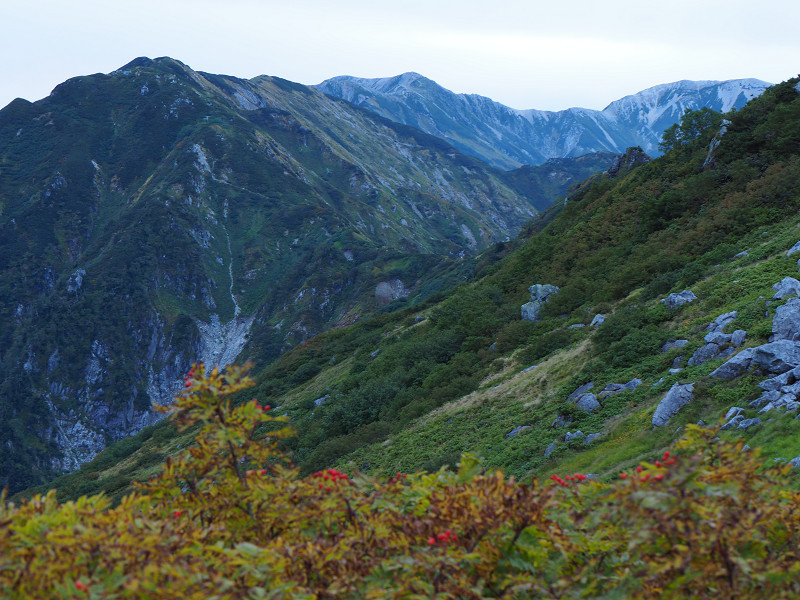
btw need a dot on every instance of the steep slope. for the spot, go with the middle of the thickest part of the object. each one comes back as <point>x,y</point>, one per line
<point>416,388</point>
<point>157,215</point>
<point>507,138</point>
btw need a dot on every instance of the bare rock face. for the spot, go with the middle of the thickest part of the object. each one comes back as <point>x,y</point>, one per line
<point>386,291</point>
<point>675,300</point>
<point>540,294</point>
<point>678,396</point>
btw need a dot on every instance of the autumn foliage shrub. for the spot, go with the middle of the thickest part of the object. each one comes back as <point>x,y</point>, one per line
<point>230,517</point>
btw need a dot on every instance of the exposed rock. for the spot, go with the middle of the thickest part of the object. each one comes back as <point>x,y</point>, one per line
<point>786,323</point>
<point>747,423</point>
<point>540,294</point>
<point>320,401</point>
<point>676,398</point>
<point>735,366</point>
<point>597,320</point>
<point>776,357</point>
<point>573,436</point>
<point>549,450</point>
<point>793,249</point>
<point>717,337</point>
<point>587,402</point>
<point>738,337</point>
<point>592,437</point>
<point>75,280</point>
<point>732,423</point>
<point>704,354</point>
<point>722,321</point>
<point>615,388</point>
<point>677,299</point>
<point>222,343</point>
<point>386,291</point>
<point>788,286</point>
<point>795,462</point>
<point>670,344</point>
<point>560,421</point>
<point>516,430</point>
<point>741,254</point>
<point>576,326</point>
<point>581,390</point>
<point>528,369</point>
<point>732,412</point>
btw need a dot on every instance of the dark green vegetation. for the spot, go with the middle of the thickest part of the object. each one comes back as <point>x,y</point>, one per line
<point>415,387</point>
<point>157,215</point>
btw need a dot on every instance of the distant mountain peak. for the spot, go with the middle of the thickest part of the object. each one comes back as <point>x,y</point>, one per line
<point>507,138</point>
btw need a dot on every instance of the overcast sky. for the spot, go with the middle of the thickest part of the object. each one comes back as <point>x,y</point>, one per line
<point>526,54</point>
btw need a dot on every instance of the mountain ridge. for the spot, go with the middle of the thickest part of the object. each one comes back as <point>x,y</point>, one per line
<point>508,138</point>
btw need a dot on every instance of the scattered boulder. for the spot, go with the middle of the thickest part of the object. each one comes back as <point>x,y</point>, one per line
<point>573,436</point>
<point>732,423</point>
<point>597,320</point>
<point>738,337</point>
<point>320,401</point>
<point>540,293</point>
<point>576,326</point>
<point>675,300</point>
<point>722,321</point>
<point>793,249</point>
<point>747,423</point>
<point>741,254</point>
<point>788,286</point>
<point>581,390</point>
<point>587,402</point>
<point>732,412</point>
<point>615,388</point>
<point>786,323</point>
<point>516,430</point>
<point>676,398</point>
<point>795,462</point>
<point>549,450</point>
<point>592,437</point>
<point>670,344</point>
<point>560,421</point>
<point>735,366</point>
<point>704,354</point>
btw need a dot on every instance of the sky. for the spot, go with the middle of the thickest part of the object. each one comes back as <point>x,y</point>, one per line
<point>547,55</point>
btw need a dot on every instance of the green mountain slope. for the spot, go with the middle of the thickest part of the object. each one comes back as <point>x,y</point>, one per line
<point>414,388</point>
<point>158,215</point>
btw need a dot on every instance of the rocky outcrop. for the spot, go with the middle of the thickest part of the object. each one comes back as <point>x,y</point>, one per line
<point>516,430</point>
<point>786,323</point>
<point>670,344</point>
<point>675,300</point>
<point>718,343</point>
<point>540,294</point>
<point>788,286</point>
<point>597,320</point>
<point>573,436</point>
<point>615,388</point>
<point>587,402</point>
<point>678,396</point>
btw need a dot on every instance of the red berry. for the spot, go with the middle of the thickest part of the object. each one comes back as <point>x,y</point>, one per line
<point>177,513</point>
<point>623,475</point>
<point>639,469</point>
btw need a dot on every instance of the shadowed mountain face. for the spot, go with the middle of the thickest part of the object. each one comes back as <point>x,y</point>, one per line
<point>507,138</point>
<point>156,215</point>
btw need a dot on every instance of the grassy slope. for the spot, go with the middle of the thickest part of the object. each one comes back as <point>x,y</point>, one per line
<point>414,388</point>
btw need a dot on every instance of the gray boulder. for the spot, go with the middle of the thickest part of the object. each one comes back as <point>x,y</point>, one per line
<point>741,254</point>
<point>786,323</point>
<point>732,412</point>
<point>776,357</point>
<point>540,293</point>
<point>549,450</point>
<point>738,337</point>
<point>615,388</point>
<point>669,345</point>
<point>676,398</point>
<point>735,366</point>
<point>747,423</point>
<point>722,321</point>
<point>560,421</point>
<point>581,390</point>
<point>597,320</point>
<point>704,354</point>
<point>717,337</point>
<point>732,423</point>
<point>795,462</point>
<point>576,326</point>
<point>675,300</point>
<point>788,286</point>
<point>587,402</point>
<point>516,430</point>
<point>793,249</point>
<point>592,437</point>
<point>573,436</point>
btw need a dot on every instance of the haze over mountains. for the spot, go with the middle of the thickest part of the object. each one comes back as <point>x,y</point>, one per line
<point>507,138</point>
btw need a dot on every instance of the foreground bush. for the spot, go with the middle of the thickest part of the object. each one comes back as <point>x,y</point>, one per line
<point>230,518</point>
